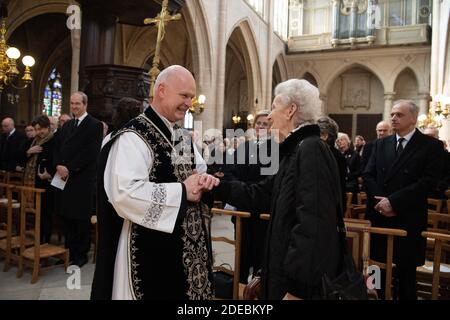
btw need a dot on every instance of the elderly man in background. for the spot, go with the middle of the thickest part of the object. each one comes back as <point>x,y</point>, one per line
<point>11,146</point>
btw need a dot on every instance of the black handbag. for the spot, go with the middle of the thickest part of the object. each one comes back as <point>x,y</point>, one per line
<point>223,284</point>
<point>350,283</point>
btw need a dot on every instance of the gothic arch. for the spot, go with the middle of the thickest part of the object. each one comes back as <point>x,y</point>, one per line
<point>281,62</point>
<point>421,86</point>
<point>308,75</point>
<point>410,85</point>
<point>251,56</point>
<point>348,66</point>
<point>30,10</point>
<point>200,38</point>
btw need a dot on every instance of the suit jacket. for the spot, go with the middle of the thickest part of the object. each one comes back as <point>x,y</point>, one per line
<point>78,149</point>
<point>366,153</point>
<point>10,150</point>
<point>405,181</point>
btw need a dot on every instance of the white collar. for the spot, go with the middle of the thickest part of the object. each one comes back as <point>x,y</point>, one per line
<point>84,115</point>
<point>407,137</point>
<point>11,133</point>
<point>169,124</point>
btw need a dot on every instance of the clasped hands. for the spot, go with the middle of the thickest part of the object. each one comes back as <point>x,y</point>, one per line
<point>384,207</point>
<point>196,184</point>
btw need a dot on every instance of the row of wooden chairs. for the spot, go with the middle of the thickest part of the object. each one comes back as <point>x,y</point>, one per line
<point>358,236</point>
<point>26,248</point>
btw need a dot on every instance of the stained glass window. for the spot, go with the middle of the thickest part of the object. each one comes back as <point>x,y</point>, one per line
<point>53,95</point>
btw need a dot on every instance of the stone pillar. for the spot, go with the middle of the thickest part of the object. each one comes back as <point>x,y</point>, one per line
<point>424,101</point>
<point>97,39</point>
<point>323,106</point>
<point>435,47</point>
<point>388,102</point>
<point>75,37</point>
<point>220,64</point>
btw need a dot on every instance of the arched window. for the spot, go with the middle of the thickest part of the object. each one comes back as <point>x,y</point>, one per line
<point>188,120</point>
<point>53,95</point>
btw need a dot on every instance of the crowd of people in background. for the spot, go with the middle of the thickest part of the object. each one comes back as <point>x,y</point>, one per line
<point>69,146</point>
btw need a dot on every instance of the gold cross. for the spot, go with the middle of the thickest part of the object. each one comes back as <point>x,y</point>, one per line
<point>160,21</point>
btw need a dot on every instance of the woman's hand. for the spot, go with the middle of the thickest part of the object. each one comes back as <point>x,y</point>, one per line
<point>34,150</point>
<point>45,175</point>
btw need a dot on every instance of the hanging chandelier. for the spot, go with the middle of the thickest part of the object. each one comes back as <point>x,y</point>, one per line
<point>198,104</point>
<point>9,74</point>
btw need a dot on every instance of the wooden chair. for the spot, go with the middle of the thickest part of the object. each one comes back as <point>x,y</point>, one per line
<point>357,226</point>
<point>349,205</point>
<point>438,222</point>
<point>358,240</point>
<point>237,247</point>
<point>390,233</point>
<point>15,178</point>
<point>10,244</point>
<point>32,256</point>
<point>434,205</point>
<point>437,280</point>
<point>358,212</point>
<point>361,198</point>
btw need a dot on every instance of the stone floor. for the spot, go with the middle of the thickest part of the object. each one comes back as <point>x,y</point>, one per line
<point>54,284</point>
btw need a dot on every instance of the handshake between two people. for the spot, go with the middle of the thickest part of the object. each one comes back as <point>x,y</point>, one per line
<point>196,184</point>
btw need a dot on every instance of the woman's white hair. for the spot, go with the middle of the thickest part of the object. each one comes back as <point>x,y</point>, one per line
<point>304,95</point>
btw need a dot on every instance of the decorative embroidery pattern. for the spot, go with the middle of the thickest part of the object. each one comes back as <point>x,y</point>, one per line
<point>158,199</point>
<point>133,265</point>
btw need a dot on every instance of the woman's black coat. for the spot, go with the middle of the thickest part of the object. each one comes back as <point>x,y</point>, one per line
<point>304,199</point>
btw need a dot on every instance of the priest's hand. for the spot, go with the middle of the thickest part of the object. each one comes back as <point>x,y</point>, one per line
<point>208,182</point>
<point>193,188</point>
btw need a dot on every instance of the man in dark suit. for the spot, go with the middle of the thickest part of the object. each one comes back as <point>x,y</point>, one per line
<point>249,159</point>
<point>76,155</point>
<point>401,171</point>
<point>383,129</point>
<point>11,146</point>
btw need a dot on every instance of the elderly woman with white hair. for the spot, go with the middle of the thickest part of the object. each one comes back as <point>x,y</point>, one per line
<point>303,198</point>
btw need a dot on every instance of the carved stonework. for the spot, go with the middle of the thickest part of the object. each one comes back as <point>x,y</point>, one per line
<point>355,91</point>
<point>346,6</point>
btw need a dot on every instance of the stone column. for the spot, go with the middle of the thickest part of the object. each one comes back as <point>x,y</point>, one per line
<point>75,37</point>
<point>323,106</point>
<point>388,101</point>
<point>424,101</point>
<point>220,64</point>
<point>434,69</point>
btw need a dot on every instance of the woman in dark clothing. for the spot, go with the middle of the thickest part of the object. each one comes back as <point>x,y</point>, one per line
<point>39,171</point>
<point>353,163</point>
<point>303,198</point>
<point>328,132</point>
